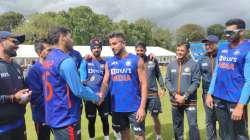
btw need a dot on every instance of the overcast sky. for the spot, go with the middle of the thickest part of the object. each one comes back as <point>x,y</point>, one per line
<point>166,13</point>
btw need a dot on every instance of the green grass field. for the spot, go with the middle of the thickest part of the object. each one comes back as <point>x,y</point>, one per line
<point>165,118</point>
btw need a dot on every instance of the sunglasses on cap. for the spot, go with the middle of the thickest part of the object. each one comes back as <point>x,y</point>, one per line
<point>14,41</point>
<point>231,32</point>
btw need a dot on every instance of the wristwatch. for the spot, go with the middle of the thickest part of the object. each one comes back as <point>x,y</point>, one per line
<point>185,97</point>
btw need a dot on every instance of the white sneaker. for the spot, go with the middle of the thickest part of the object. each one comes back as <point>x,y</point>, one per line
<point>117,135</point>
<point>106,138</point>
<point>158,137</point>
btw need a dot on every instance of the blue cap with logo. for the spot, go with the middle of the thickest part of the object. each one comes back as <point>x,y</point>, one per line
<point>211,38</point>
<point>7,34</point>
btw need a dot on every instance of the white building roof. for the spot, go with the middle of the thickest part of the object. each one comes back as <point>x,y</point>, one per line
<point>27,51</point>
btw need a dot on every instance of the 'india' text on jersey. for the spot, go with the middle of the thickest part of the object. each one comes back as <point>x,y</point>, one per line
<point>124,83</point>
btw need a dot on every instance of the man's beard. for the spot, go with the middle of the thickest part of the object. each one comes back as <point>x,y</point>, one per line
<point>9,50</point>
<point>117,52</point>
<point>234,38</point>
<point>141,55</point>
<point>97,54</point>
<point>69,46</point>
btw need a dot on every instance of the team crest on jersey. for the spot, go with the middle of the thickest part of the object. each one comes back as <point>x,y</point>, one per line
<point>102,66</point>
<point>187,69</point>
<point>224,51</point>
<point>128,63</point>
<point>92,78</point>
<point>204,64</point>
<point>236,52</point>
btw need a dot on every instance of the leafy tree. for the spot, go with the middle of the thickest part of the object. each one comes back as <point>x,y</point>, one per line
<point>162,38</point>
<point>10,20</point>
<point>37,26</point>
<point>216,29</point>
<point>191,32</point>
<point>85,24</point>
<point>247,34</point>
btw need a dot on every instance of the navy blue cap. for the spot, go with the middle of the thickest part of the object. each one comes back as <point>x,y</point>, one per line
<point>95,42</point>
<point>211,38</point>
<point>6,34</point>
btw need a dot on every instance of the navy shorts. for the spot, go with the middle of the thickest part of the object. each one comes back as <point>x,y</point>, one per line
<point>122,121</point>
<point>154,105</point>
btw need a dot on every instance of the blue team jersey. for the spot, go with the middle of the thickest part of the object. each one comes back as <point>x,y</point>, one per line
<point>95,73</point>
<point>230,71</point>
<point>124,83</point>
<point>77,57</point>
<point>34,82</point>
<point>62,107</point>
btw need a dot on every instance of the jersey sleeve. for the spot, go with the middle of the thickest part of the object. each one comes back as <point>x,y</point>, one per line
<point>69,72</point>
<point>245,93</point>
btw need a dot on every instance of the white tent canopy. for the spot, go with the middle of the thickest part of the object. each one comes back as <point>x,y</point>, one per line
<point>163,55</point>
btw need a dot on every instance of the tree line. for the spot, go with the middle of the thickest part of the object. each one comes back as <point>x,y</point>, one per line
<point>85,24</point>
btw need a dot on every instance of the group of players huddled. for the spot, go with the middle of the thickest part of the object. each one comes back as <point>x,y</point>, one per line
<point>124,86</point>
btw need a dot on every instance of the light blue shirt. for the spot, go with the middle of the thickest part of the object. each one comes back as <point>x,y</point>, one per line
<point>69,73</point>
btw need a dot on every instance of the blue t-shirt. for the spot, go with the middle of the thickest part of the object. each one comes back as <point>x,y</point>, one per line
<point>124,83</point>
<point>92,72</point>
<point>34,82</point>
<point>230,79</point>
<point>62,90</point>
<point>77,57</point>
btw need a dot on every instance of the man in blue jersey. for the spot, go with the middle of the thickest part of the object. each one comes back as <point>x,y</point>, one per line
<point>63,88</point>
<point>91,73</point>
<point>125,76</point>
<point>13,95</point>
<point>182,81</point>
<point>153,75</point>
<point>77,57</point>
<point>207,65</point>
<point>34,82</point>
<point>230,86</point>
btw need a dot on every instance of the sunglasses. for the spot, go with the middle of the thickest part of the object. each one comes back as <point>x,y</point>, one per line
<point>231,32</point>
<point>14,41</point>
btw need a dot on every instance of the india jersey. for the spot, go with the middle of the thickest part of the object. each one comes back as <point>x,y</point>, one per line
<point>62,107</point>
<point>95,70</point>
<point>35,84</point>
<point>230,71</point>
<point>124,83</point>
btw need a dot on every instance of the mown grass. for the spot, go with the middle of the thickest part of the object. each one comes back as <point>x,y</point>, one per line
<point>165,118</point>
